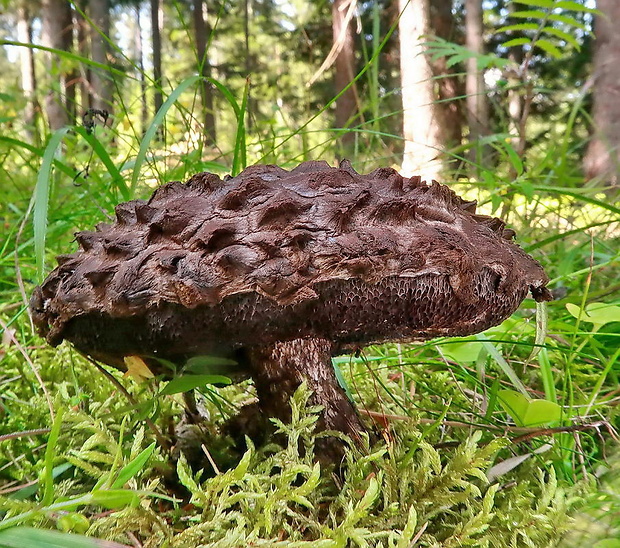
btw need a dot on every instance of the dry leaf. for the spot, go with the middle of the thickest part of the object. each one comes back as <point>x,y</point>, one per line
<point>137,369</point>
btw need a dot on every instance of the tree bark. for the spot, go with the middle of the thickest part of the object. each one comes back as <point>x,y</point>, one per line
<point>344,65</point>
<point>102,83</point>
<point>449,87</point>
<point>515,93</point>
<point>602,159</point>
<point>252,105</point>
<point>423,124</point>
<point>28,75</point>
<point>202,32</point>
<point>156,26</point>
<point>139,53</point>
<point>71,77</point>
<point>475,90</point>
<point>52,36</point>
<point>83,44</point>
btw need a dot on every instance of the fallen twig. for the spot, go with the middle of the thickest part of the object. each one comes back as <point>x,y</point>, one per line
<point>526,432</point>
<point>24,434</point>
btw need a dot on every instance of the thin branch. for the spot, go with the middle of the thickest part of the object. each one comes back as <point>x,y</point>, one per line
<point>527,432</point>
<point>338,44</point>
<point>7,490</point>
<point>25,434</point>
<point>134,540</point>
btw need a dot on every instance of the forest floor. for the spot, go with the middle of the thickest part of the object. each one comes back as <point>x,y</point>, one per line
<point>461,457</point>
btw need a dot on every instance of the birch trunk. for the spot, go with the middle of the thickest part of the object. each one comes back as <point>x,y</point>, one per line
<point>423,127</point>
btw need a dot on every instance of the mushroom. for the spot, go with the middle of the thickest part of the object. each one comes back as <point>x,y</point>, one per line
<point>280,270</point>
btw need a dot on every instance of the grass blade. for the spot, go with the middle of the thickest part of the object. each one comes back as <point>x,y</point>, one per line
<point>19,537</point>
<point>152,130</point>
<point>50,451</point>
<point>578,195</point>
<point>503,364</point>
<point>546,374</point>
<point>132,468</point>
<point>601,379</point>
<point>41,199</point>
<point>239,158</point>
<point>99,149</point>
<point>72,57</point>
<point>12,143</point>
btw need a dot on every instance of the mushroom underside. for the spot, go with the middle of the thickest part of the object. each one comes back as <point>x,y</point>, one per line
<point>282,346</point>
<point>348,313</point>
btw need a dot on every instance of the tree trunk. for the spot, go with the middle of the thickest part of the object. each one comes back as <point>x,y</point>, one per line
<point>449,87</point>
<point>515,93</point>
<point>602,160</point>
<point>475,90</point>
<point>83,44</point>
<point>102,83</point>
<point>203,32</point>
<point>28,75</point>
<point>139,53</point>
<point>252,106</point>
<point>156,26</point>
<point>71,78</point>
<point>52,36</point>
<point>343,39</point>
<point>423,124</point>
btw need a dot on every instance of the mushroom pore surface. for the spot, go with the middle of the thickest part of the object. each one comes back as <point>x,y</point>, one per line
<point>281,269</point>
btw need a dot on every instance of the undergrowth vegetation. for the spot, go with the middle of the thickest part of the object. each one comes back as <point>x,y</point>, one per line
<point>502,439</point>
<point>493,440</point>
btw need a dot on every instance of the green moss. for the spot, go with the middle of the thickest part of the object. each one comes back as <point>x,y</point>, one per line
<point>423,482</point>
<point>387,495</point>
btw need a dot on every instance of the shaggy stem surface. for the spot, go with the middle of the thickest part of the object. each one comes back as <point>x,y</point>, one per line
<point>278,369</point>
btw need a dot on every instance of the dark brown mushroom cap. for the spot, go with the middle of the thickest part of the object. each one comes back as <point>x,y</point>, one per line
<point>211,266</point>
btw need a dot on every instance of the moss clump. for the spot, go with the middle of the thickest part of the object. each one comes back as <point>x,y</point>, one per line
<point>386,496</point>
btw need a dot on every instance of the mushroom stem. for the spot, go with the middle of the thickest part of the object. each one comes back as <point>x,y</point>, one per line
<point>279,368</point>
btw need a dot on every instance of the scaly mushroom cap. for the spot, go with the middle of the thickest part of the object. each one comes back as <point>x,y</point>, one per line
<point>215,266</point>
